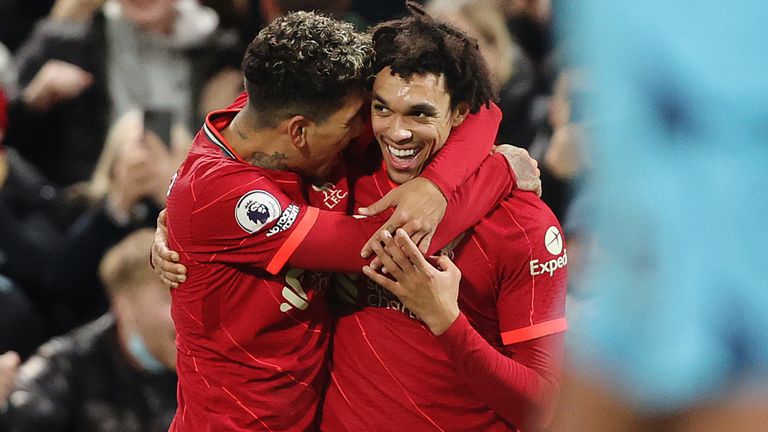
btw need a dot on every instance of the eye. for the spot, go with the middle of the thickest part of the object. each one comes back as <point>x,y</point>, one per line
<point>379,108</point>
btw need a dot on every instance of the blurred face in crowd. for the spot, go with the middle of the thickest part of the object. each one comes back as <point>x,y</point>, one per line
<point>411,119</point>
<point>146,309</point>
<point>156,15</point>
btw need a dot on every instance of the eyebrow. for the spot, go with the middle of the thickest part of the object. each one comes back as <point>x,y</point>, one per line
<point>426,108</point>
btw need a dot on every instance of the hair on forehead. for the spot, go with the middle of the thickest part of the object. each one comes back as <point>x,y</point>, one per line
<point>418,44</point>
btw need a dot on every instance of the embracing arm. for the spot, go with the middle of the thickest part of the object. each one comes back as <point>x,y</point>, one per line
<point>520,384</point>
<point>466,148</point>
<point>334,241</point>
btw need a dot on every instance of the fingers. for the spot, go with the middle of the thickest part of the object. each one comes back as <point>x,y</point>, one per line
<point>388,228</point>
<point>167,282</point>
<point>386,258</point>
<point>445,264</point>
<point>382,280</point>
<point>377,237</point>
<point>425,242</point>
<point>411,253</point>
<point>379,206</point>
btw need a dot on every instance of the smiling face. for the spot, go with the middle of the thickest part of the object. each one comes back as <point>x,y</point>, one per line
<point>411,119</point>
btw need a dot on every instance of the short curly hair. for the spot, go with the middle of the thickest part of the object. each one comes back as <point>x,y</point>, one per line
<point>304,63</point>
<point>417,44</point>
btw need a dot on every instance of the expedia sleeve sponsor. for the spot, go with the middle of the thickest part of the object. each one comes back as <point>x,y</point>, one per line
<point>551,266</point>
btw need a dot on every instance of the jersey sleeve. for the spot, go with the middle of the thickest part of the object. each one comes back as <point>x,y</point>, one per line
<point>242,217</point>
<point>467,146</point>
<point>519,382</point>
<point>531,301</point>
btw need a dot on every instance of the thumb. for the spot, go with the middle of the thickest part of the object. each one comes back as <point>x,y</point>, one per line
<point>377,207</point>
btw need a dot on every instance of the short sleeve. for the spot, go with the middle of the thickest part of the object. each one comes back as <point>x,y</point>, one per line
<point>534,264</point>
<point>250,221</point>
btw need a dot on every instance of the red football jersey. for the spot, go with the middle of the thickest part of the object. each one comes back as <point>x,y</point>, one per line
<point>389,372</point>
<point>251,336</point>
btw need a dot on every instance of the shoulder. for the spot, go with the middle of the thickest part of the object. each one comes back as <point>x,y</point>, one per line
<point>520,217</point>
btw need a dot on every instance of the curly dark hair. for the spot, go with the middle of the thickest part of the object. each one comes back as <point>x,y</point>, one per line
<point>304,63</point>
<point>417,44</point>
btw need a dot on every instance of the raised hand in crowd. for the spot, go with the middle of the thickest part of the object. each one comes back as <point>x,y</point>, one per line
<point>57,81</point>
<point>9,363</point>
<point>75,10</point>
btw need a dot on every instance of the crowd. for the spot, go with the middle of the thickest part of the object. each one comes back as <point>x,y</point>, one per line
<point>100,104</point>
<point>84,170</point>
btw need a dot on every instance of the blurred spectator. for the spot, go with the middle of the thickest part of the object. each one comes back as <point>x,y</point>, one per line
<point>17,17</point>
<point>51,241</point>
<point>8,75</point>
<point>559,145</point>
<point>78,75</point>
<point>513,72</point>
<point>375,11</point>
<point>9,363</point>
<point>530,22</point>
<point>21,326</point>
<point>339,9</point>
<point>126,191</point>
<point>674,333</point>
<point>113,374</point>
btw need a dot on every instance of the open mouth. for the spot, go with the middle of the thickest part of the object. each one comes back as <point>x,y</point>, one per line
<point>404,159</point>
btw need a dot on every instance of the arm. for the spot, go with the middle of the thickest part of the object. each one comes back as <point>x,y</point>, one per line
<point>347,233</point>
<point>520,383</point>
<point>466,148</point>
<point>305,243</point>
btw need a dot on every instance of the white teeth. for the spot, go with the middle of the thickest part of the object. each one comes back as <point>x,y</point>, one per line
<point>402,153</point>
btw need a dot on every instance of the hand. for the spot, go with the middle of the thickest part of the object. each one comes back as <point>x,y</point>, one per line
<point>420,208</point>
<point>134,177</point>
<point>525,167</point>
<point>9,363</point>
<point>430,293</point>
<point>164,259</point>
<point>163,163</point>
<point>75,10</point>
<point>55,82</point>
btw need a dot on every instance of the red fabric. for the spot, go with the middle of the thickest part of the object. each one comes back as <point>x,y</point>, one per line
<point>251,345</point>
<point>481,192</point>
<point>468,145</point>
<point>521,391</point>
<point>389,372</point>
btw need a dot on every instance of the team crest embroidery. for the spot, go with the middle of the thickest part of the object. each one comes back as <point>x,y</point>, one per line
<point>256,209</point>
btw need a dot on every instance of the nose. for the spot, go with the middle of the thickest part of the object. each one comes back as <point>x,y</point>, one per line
<point>399,132</point>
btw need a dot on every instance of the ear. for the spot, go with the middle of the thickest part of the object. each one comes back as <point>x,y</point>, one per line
<point>297,131</point>
<point>459,114</point>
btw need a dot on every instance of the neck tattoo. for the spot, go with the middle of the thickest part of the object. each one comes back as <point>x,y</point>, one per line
<point>276,161</point>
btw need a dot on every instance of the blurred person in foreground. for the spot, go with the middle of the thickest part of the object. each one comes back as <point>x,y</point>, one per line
<point>113,374</point>
<point>675,335</point>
